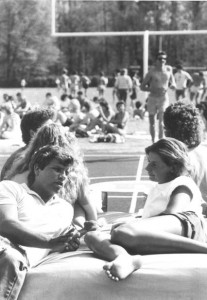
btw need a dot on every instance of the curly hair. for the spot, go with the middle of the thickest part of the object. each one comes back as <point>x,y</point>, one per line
<point>183,122</point>
<point>55,134</point>
<point>174,153</point>
<point>33,120</point>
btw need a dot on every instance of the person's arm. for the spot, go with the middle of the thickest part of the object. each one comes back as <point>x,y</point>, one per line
<point>122,122</point>
<point>145,85</point>
<point>179,200</point>
<point>17,232</point>
<point>189,80</point>
<point>172,83</point>
<point>103,116</point>
<point>4,124</point>
<point>85,202</point>
<point>130,84</point>
<point>204,89</point>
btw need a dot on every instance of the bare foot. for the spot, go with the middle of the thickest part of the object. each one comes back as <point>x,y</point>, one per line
<point>122,266</point>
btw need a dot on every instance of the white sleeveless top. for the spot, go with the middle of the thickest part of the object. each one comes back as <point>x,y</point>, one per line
<point>159,197</point>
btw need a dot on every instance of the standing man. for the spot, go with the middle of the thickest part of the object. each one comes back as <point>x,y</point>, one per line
<point>157,81</point>
<point>123,85</point>
<point>198,88</point>
<point>65,82</point>
<point>23,84</point>
<point>182,80</point>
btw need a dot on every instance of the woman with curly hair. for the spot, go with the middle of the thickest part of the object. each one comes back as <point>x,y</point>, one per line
<point>183,122</point>
<point>76,189</point>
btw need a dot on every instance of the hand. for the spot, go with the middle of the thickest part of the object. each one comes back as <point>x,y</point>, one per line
<point>89,226</point>
<point>68,242</point>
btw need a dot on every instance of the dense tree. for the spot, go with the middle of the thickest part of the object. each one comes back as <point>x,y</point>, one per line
<point>26,47</point>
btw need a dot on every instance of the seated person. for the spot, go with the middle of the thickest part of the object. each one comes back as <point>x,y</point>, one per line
<point>23,105</point>
<point>183,122</point>
<point>83,119</point>
<point>10,124</point>
<point>52,102</point>
<point>9,100</point>
<point>29,125</point>
<point>105,115</point>
<point>81,98</point>
<point>76,188</point>
<point>33,219</point>
<point>119,121</point>
<point>139,110</point>
<point>71,108</point>
<point>172,220</point>
<point>202,107</point>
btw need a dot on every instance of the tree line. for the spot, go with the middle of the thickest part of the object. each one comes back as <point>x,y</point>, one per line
<point>27,49</point>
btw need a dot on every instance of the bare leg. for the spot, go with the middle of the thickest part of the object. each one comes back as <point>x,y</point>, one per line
<point>156,235</point>
<point>121,263</point>
<point>161,126</point>
<point>152,127</point>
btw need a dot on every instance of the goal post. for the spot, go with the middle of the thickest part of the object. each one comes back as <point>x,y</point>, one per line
<point>145,34</point>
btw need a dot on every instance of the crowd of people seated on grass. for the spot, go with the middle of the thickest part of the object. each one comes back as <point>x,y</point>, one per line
<point>83,116</point>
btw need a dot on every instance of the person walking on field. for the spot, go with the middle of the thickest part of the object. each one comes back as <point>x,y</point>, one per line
<point>123,85</point>
<point>157,81</point>
<point>102,84</point>
<point>65,81</point>
<point>198,88</point>
<point>182,80</point>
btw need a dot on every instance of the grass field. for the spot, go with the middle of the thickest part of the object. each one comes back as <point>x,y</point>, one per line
<point>37,95</point>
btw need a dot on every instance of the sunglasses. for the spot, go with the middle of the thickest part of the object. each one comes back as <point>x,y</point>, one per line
<point>161,58</point>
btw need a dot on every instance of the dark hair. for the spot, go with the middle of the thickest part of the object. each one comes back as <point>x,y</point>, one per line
<point>64,96</point>
<point>87,105</point>
<point>104,103</point>
<point>65,71</point>
<point>179,67</point>
<point>183,122</point>
<point>119,103</point>
<point>33,120</point>
<point>123,71</point>
<point>202,106</point>
<point>138,104</point>
<point>44,156</point>
<point>161,53</point>
<point>174,153</point>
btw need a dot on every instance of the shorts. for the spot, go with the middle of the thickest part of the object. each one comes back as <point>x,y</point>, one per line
<point>194,227</point>
<point>157,104</point>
